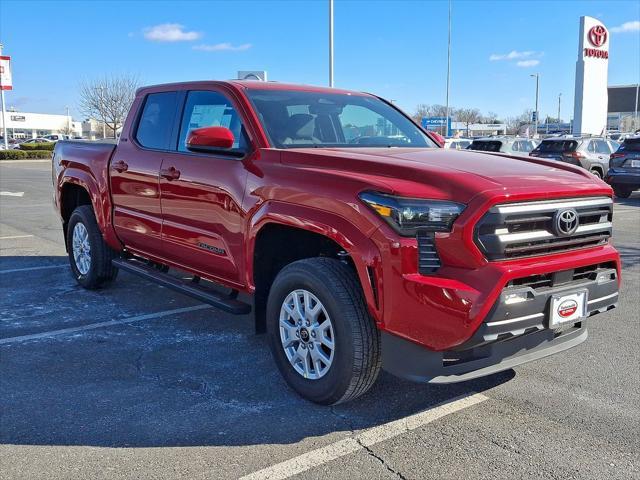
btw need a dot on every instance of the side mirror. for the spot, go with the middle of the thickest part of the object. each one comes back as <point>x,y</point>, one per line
<point>209,139</point>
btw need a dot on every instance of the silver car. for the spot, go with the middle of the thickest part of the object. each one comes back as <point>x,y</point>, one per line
<point>514,145</point>
<point>590,153</point>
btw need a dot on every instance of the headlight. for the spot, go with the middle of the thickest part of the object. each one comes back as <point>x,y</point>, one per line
<point>407,215</point>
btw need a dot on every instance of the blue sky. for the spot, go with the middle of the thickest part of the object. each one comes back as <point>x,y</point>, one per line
<point>396,49</point>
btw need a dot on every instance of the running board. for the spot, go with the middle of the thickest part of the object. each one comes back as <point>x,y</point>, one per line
<point>228,303</point>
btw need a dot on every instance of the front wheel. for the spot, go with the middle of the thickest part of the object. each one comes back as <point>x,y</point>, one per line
<point>90,257</point>
<point>322,337</point>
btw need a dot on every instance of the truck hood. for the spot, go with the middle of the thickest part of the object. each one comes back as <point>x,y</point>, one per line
<point>445,173</point>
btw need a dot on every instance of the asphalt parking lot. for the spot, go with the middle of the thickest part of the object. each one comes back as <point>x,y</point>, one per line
<point>134,381</point>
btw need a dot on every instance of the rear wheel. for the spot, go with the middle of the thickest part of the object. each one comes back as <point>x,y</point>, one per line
<point>322,337</point>
<point>596,172</point>
<point>623,192</point>
<point>90,257</point>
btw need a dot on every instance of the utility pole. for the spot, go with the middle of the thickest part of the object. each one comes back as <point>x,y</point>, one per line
<point>448,71</point>
<point>4,117</point>
<point>68,120</point>
<point>535,127</point>
<point>331,43</point>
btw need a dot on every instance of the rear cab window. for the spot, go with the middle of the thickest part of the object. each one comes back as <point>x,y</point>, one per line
<point>156,121</point>
<point>486,145</point>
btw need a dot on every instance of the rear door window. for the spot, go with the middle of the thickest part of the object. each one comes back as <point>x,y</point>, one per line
<point>602,147</point>
<point>156,122</point>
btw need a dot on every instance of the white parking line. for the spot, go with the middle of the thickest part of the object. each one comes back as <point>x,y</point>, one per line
<point>29,269</point>
<point>363,440</point>
<point>11,237</point>
<point>93,326</point>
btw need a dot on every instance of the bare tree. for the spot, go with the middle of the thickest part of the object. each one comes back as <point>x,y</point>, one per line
<point>468,116</point>
<point>108,99</point>
<point>67,130</point>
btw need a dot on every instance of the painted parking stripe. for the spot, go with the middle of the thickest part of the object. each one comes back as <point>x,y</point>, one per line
<point>363,440</point>
<point>93,326</point>
<point>29,269</point>
<point>11,237</point>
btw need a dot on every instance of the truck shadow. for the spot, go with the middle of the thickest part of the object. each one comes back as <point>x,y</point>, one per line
<point>199,378</point>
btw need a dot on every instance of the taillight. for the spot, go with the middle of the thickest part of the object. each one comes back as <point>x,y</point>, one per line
<point>616,155</point>
<point>576,155</point>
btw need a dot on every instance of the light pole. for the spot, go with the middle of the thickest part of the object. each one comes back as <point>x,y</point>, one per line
<point>535,124</point>
<point>68,121</point>
<point>331,43</point>
<point>104,124</point>
<point>448,70</point>
<point>559,97</point>
<point>4,116</point>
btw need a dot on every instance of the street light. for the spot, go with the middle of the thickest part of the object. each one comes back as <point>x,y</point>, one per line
<point>535,124</point>
<point>559,97</point>
<point>448,70</point>
<point>331,43</point>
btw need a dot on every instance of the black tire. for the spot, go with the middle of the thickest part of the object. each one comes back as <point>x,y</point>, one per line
<point>597,173</point>
<point>623,192</point>
<point>101,270</point>
<point>357,356</point>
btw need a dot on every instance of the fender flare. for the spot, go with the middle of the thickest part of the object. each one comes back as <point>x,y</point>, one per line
<point>100,201</point>
<point>362,250</point>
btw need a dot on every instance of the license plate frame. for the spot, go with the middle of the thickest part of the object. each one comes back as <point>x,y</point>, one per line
<point>568,307</point>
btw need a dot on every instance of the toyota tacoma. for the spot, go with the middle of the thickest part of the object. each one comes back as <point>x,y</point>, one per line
<point>353,238</point>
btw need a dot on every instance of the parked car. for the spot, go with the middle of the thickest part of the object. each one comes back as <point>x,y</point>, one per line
<point>624,171</point>
<point>437,265</point>
<point>503,144</point>
<point>32,141</point>
<point>457,143</point>
<point>590,153</point>
<point>54,137</point>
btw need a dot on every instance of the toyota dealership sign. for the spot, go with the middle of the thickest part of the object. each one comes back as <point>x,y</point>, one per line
<point>592,67</point>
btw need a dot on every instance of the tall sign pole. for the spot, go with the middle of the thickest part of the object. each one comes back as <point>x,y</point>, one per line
<point>331,43</point>
<point>591,96</point>
<point>5,84</point>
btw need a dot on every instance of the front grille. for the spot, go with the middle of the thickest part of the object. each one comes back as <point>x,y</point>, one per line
<point>428,259</point>
<point>516,230</point>
<point>564,277</point>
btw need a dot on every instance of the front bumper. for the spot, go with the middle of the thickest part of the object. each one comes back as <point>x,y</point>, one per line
<point>512,333</point>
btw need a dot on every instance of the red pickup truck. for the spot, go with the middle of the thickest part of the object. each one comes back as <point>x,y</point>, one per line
<point>356,240</point>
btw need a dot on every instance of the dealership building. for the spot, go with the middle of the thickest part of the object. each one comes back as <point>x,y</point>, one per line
<point>622,112</point>
<point>32,125</point>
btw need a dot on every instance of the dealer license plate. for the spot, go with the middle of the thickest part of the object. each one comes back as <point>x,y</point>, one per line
<point>568,308</point>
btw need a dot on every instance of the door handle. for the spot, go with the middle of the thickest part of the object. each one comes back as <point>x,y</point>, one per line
<point>170,173</point>
<point>120,166</point>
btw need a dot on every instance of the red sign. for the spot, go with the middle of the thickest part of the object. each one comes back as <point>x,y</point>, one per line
<point>5,73</point>
<point>598,35</point>
<point>594,52</point>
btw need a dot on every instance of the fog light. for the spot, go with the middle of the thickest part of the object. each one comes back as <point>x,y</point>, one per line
<point>518,297</point>
<point>603,277</point>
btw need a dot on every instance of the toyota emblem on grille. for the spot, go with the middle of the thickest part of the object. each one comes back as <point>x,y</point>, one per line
<point>566,222</point>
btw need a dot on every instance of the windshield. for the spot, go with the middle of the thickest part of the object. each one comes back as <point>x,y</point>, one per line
<point>295,119</point>
<point>556,146</point>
